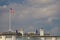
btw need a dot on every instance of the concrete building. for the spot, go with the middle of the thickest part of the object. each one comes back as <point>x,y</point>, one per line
<point>42,35</point>
<point>49,37</point>
<point>46,36</point>
<point>8,36</point>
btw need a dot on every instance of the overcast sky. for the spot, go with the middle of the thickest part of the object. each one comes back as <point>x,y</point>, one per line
<point>31,15</point>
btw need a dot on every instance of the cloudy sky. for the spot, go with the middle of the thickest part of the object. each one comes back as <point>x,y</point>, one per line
<point>31,15</point>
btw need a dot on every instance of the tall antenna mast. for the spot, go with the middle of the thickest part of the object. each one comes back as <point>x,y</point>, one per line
<point>10,16</point>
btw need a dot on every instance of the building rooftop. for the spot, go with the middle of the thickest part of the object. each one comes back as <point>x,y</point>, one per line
<point>10,33</point>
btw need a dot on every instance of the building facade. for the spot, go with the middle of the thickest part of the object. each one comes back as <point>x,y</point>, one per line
<point>42,36</point>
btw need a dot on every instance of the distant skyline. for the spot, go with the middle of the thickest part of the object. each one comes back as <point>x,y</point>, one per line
<point>31,15</point>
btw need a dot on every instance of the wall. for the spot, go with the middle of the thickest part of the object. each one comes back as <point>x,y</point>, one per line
<point>48,38</point>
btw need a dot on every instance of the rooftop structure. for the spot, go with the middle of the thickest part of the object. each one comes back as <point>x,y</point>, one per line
<point>13,35</point>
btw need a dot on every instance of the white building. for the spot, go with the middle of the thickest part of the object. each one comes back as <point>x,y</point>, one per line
<point>47,37</point>
<point>8,36</point>
<point>41,32</point>
<point>13,36</point>
<point>21,31</point>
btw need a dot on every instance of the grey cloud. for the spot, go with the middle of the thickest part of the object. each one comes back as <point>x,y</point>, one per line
<point>35,16</point>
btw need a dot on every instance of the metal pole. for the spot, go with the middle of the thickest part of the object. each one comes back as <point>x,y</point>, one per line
<point>9,21</point>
